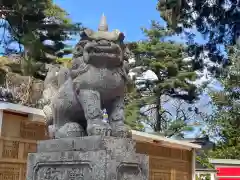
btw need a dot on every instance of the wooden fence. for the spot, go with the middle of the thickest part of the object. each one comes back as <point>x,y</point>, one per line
<point>19,137</point>
<point>166,163</point>
<point>13,157</point>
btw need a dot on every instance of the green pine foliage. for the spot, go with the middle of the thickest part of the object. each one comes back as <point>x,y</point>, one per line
<point>33,22</point>
<point>175,78</point>
<point>217,21</point>
<point>225,123</point>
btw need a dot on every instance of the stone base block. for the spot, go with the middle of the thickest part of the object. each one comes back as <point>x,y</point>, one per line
<point>87,158</point>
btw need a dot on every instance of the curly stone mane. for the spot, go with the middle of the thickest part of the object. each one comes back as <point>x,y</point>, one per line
<point>96,81</point>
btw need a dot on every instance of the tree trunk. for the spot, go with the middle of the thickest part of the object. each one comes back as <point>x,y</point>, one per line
<point>158,104</point>
<point>158,117</point>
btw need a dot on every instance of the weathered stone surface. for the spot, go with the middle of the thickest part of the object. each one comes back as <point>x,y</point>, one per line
<point>73,99</point>
<point>87,158</point>
<point>88,143</point>
<point>68,165</point>
<point>135,168</point>
<point>95,81</point>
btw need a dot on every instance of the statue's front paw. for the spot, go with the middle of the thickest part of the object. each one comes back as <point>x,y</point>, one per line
<point>70,130</point>
<point>122,131</point>
<point>102,129</point>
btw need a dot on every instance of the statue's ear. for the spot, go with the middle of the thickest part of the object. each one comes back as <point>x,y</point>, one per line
<point>121,37</point>
<point>83,34</point>
<point>86,33</point>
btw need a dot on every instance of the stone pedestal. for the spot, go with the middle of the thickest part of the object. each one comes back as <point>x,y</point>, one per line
<point>87,158</point>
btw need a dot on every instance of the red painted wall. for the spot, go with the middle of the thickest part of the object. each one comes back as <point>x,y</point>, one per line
<point>228,171</point>
<point>229,178</point>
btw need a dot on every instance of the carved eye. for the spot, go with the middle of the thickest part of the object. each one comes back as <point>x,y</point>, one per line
<point>79,48</point>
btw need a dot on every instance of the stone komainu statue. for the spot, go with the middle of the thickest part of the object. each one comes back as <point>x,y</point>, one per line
<point>74,97</point>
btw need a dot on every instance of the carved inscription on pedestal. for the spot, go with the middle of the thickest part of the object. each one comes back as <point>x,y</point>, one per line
<point>63,172</point>
<point>50,173</point>
<point>128,171</point>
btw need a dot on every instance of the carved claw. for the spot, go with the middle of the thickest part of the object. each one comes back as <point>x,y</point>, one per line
<point>122,131</point>
<point>102,129</point>
<point>70,130</point>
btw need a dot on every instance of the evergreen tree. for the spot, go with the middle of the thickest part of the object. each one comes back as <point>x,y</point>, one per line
<point>174,78</point>
<point>217,21</point>
<point>133,117</point>
<point>40,27</point>
<point>225,123</point>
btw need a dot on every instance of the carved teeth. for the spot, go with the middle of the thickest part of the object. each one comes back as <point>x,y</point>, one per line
<point>104,54</point>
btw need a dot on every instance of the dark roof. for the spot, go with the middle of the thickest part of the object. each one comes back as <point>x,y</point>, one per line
<point>195,140</point>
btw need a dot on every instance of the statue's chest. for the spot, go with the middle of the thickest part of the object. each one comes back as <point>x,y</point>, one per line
<point>101,79</point>
<point>105,75</point>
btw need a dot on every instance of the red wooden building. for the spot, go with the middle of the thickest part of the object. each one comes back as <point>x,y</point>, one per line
<point>227,169</point>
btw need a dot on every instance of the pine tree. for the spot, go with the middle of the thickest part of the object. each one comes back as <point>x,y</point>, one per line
<point>133,117</point>
<point>39,27</point>
<point>217,21</point>
<point>174,75</point>
<point>225,123</point>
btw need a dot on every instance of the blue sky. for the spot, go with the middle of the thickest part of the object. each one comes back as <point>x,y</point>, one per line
<point>126,15</point>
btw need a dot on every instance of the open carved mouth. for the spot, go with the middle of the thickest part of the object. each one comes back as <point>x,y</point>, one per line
<point>100,52</point>
<point>109,51</point>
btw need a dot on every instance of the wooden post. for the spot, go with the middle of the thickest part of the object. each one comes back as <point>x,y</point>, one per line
<point>21,150</point>
<point>1,148</point>
<point>1,140</point>
<point>193,164</point>
<point>173,174</point>
<point>1,121</point>
<point>212,176</point>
